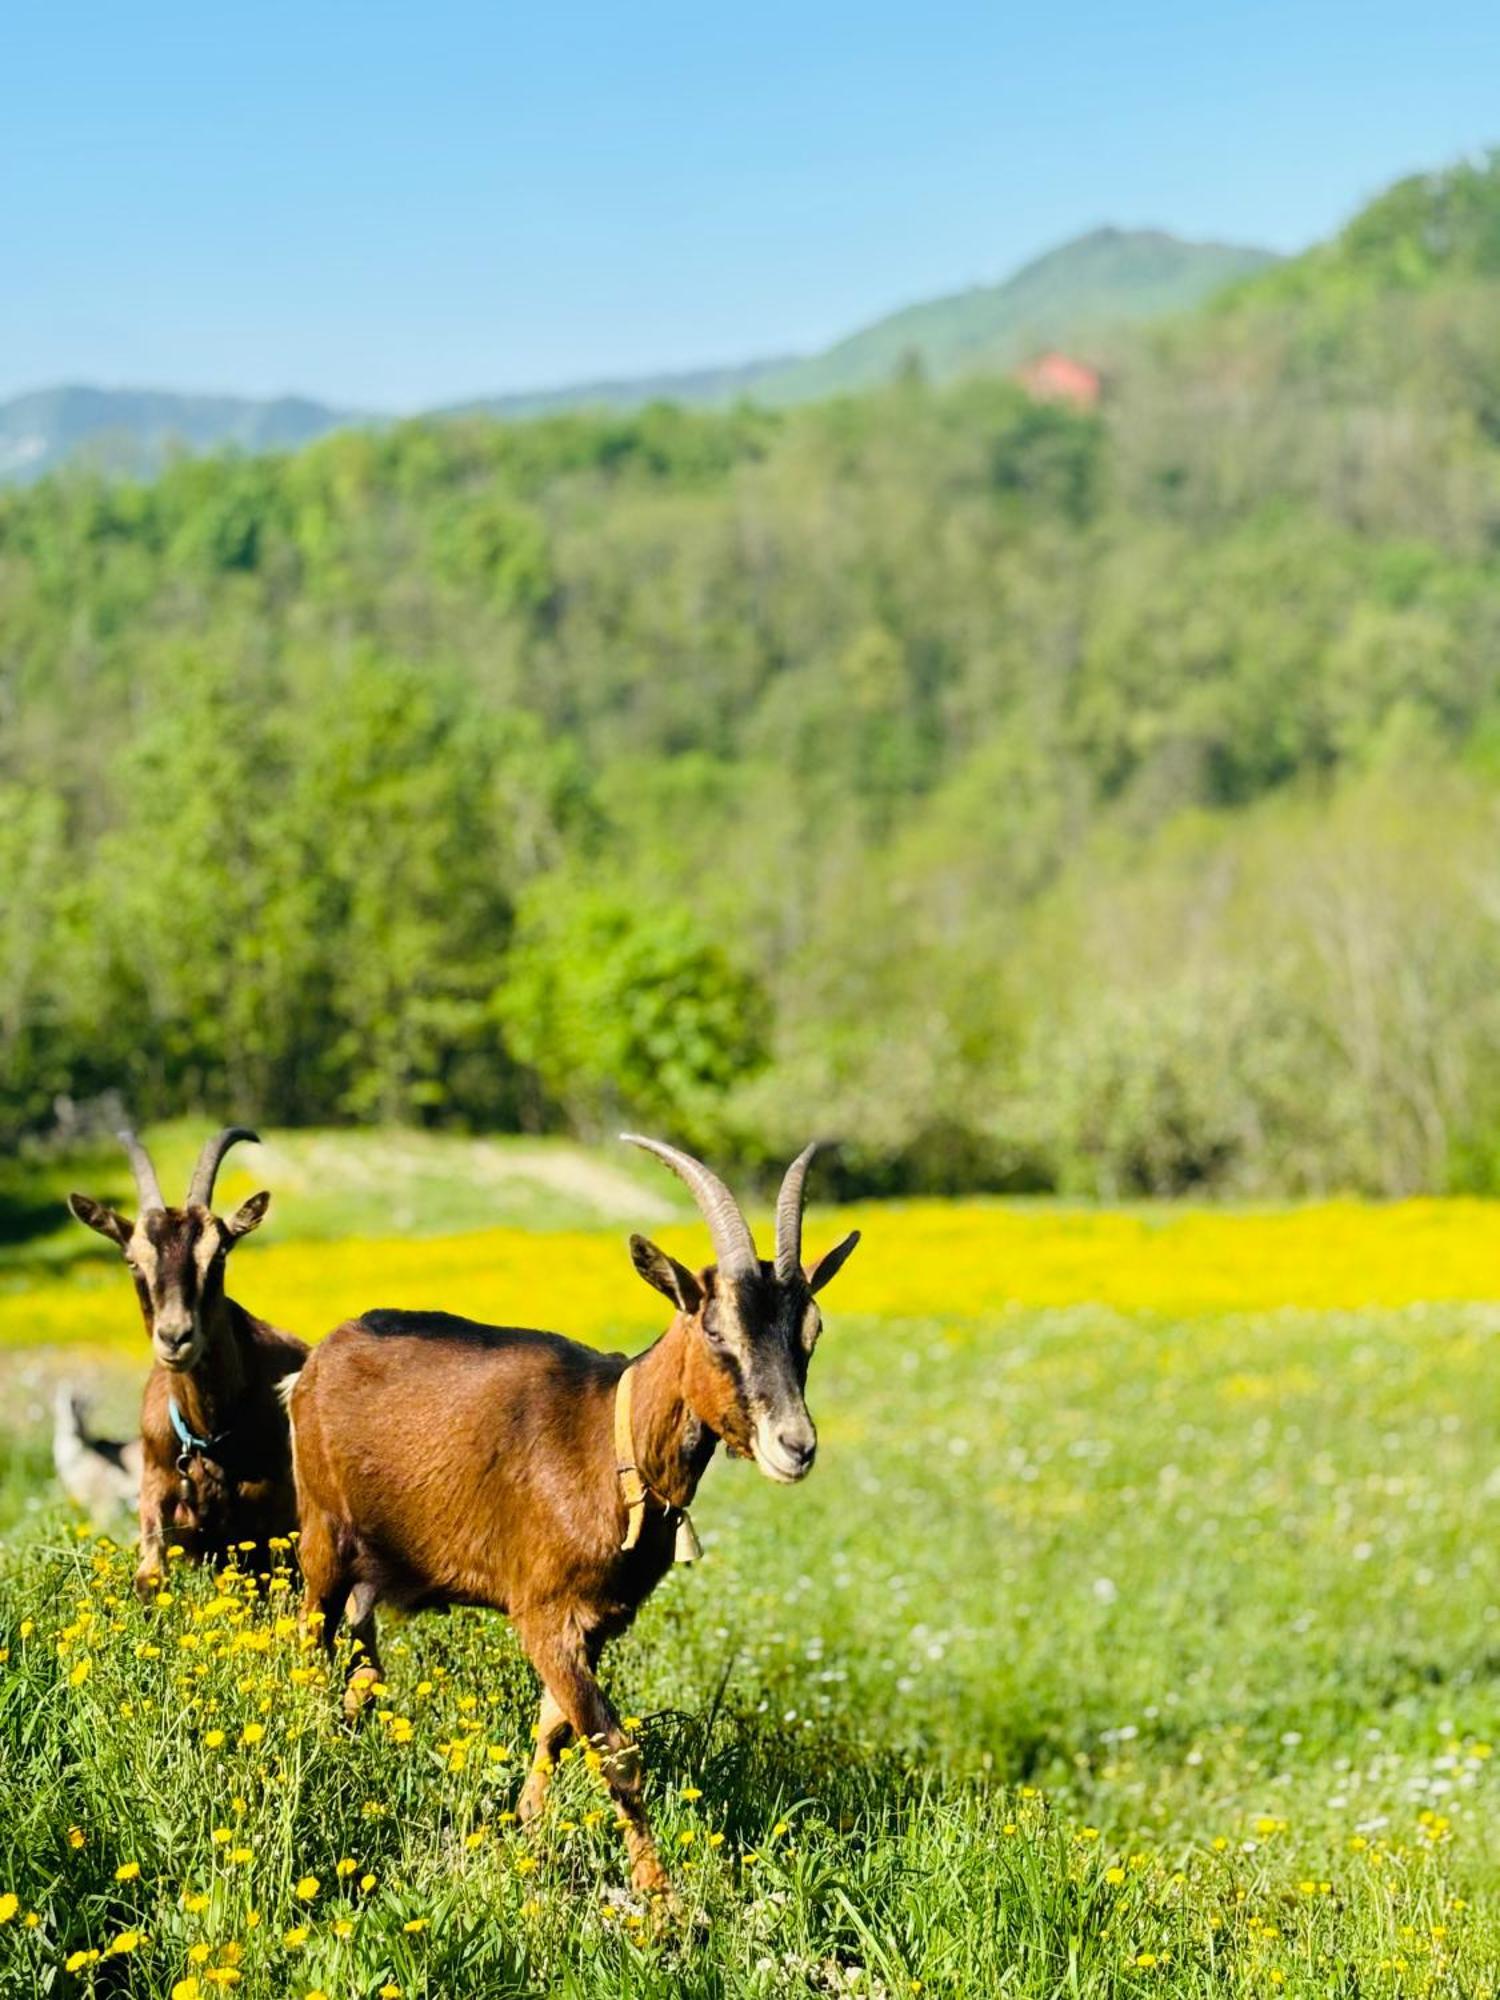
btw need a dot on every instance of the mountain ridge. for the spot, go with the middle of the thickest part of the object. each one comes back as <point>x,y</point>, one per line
<point>1078,291</point>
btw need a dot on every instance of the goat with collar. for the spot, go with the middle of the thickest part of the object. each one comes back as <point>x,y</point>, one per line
<point>216,1466</point>
<point>442,1462</point>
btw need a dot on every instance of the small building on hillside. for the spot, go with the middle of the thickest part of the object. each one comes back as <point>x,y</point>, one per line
<point>1058,378</point>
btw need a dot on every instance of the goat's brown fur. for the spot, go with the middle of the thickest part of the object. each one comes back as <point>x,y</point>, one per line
<point>441,1462</point>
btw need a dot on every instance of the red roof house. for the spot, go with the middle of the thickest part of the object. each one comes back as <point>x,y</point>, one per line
<point>1058,378</point>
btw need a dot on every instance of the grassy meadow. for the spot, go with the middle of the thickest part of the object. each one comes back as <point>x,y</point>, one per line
<point>1138,1632</point>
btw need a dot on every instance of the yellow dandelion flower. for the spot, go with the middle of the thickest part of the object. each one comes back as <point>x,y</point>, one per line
<point>10,1902</point>
<point>690,1792</point>
<point>296,1937</point>
<point>198,1953</point>
<point>81,1672</point>
<point>1114,1877</point>
<point>632,1722</point>
<point>252,1733</point>
<point>76,1836</point>
<point>77,1960</point>
<point>367,1883</point>
<point>308,1887</point>
<point>685,1838</point>
<point>223,1975</point>
<point>343,1927</point>
<point>220,1835</point>
<point>242,1856</point>
<point>127,1871</point>
<point>187,1989</point>
<point>345,1867</point>
<point>125,1943</point>
<point>194,1900</point>
<point>416,1924</point>
<point>390,1993</point>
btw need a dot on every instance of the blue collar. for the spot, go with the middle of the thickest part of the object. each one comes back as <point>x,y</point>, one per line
<point>189,1440</point>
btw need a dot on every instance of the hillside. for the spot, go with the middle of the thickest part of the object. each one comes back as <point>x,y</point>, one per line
<point>1133,777</point>
<point>1073,296</point>
<point>135,431</point>
<point>700,386</point>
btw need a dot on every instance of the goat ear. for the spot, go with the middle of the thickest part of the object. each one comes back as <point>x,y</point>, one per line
<point>249,1215</point>
<point>831,1262</point>
<point>94,1215</point>
<point>675,1281</point>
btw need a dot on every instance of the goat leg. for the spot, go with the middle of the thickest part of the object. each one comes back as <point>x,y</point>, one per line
<point>552,1730</point>
<point>156,1488</point>
<point>365,1671</point>
<point>561,1658</point>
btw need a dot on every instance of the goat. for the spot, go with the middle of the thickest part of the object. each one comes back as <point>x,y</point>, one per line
<point>216,1467</point>
<point>100,1475</point>
<point>443,1462</point>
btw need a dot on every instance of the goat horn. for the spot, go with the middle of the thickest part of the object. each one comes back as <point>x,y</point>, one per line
<point>147,1186</point>
<point>789,1215</point>
<point>201,1188</point>
<point>734,1246</point>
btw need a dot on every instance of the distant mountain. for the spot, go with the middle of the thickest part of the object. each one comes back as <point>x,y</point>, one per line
<point>629,392</point>
<point>134,431</point>
<point>1071,297</point>
<point>1068,298</point>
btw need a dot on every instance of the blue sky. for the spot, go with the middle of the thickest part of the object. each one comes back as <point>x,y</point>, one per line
<point>400,206</point>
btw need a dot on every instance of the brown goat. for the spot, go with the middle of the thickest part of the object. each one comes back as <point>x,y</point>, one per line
<point>442,1462</point>
<point>216,1467</point>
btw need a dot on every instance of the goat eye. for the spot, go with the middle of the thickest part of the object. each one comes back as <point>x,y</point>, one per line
<point>712,1327</point>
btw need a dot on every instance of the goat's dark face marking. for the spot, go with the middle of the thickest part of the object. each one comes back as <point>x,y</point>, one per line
<point>755,1330</point>
<point>176,1258</point>
<point>754,1337</point>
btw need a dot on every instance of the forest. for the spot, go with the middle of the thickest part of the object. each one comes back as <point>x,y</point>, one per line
<point>1104,803</point>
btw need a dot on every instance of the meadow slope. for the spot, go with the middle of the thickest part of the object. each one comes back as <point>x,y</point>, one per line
<point>1136,1634</point>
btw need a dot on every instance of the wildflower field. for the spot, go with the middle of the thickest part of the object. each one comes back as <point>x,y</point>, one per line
<point>1138,1633</point>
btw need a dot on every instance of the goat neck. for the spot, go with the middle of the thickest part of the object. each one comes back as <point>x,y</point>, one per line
<point>672,1445</point>
<point>207,1393</point>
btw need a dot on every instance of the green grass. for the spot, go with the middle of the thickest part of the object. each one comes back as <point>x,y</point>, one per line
<point>1099,1656</point>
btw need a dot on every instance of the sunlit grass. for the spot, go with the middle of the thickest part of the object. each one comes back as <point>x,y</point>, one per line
<point>1144,1646</point>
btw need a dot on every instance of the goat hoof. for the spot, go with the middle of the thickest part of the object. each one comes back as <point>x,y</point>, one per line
<point>360,1692</point>
<point>651,1879</point>
<point>529,1804</point>
<point>667,1909</point>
